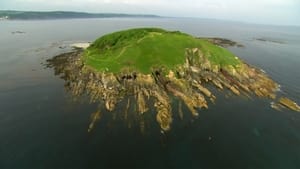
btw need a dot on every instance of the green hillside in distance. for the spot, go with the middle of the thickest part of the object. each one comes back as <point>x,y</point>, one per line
<point>141,49</point>
<point>32,15</point>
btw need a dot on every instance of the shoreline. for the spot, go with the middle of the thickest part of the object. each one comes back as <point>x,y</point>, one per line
<point>187,83</point>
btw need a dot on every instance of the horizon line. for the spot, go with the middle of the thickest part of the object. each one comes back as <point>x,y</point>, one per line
<point>155,15</point>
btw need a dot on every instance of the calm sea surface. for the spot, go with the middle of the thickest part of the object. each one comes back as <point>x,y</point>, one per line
<point>41,127</point>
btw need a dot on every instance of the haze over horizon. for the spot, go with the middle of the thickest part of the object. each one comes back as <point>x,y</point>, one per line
<point>275,12</point>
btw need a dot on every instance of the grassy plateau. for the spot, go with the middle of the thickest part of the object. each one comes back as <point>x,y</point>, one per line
<point>143,48</point>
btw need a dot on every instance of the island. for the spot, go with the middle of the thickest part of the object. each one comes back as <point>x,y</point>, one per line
<point>146,68</point>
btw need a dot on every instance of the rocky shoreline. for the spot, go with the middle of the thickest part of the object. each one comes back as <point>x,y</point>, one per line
<point>187,82</point>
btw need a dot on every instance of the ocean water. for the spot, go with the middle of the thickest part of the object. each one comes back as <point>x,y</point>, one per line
<point>41,127</point>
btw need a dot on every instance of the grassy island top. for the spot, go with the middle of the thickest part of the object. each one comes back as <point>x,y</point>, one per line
<point>143,48</point>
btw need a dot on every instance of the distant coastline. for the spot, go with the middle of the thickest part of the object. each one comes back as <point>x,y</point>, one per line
<point>39,15</point>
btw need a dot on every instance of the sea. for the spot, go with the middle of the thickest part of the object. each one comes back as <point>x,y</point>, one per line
<point>41,126</point>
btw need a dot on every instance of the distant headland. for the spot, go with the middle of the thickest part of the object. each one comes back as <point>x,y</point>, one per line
<point>41,15</point>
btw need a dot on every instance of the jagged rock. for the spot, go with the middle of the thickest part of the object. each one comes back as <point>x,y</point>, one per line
<point>186,82</point>
<point>289,104</point>
<point>142,106</point>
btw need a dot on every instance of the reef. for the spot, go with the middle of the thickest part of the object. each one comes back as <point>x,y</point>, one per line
<point>224,42</point>
<point>270,40</point>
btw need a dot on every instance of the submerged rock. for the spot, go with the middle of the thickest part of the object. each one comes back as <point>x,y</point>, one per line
<point>289,104</point>
<point>224,42</point>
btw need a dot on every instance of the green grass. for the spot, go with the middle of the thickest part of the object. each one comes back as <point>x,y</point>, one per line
<point>144,48</point>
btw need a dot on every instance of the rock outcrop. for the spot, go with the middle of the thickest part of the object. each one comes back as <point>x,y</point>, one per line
<point>187,82</point>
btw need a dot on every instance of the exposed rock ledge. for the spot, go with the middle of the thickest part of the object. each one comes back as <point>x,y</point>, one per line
<point>187,82</point>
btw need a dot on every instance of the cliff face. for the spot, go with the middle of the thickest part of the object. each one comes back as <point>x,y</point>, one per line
<point>186,82</point>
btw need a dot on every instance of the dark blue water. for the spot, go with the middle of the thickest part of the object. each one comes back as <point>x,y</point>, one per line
<point>41,127</point>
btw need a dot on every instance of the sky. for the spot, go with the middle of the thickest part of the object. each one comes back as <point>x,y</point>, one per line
<point>276,12</point>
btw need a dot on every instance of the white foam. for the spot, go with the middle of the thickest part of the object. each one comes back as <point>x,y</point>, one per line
<point>80,45</point>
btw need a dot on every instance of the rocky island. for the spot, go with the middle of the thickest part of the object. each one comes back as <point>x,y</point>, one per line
<point>146,68</point>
